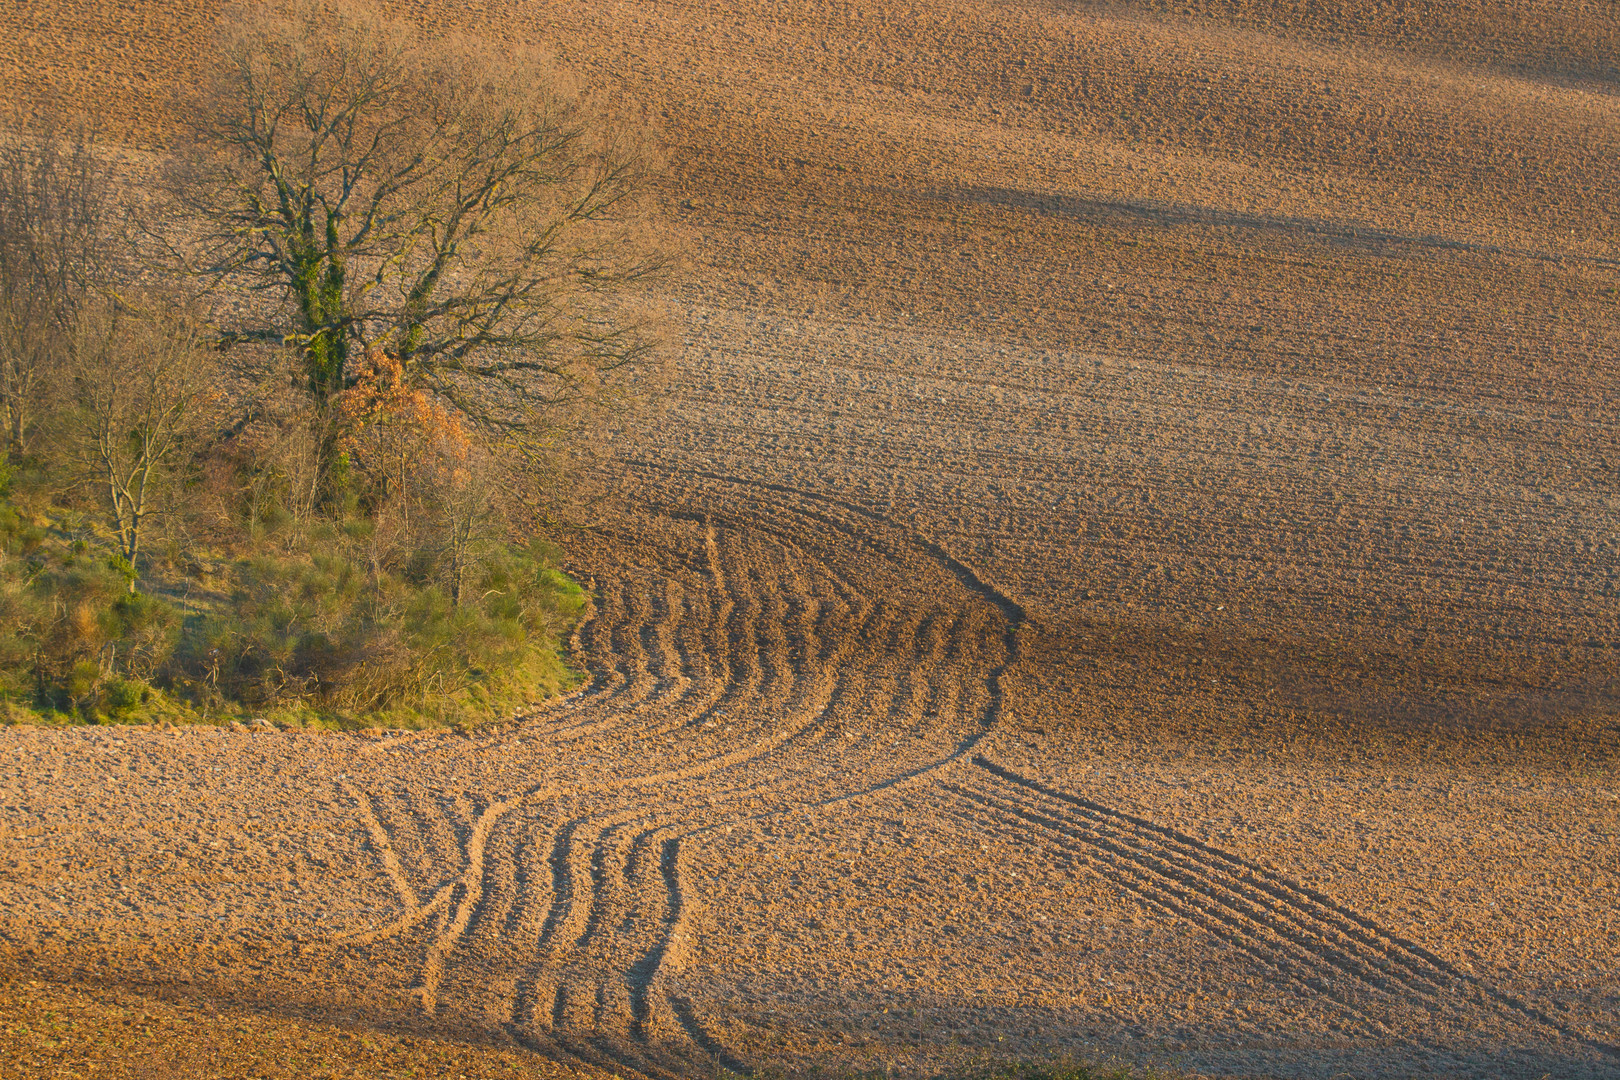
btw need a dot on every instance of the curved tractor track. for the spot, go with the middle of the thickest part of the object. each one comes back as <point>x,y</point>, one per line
<point>738,680</point>
<point>801,813</point>
<point>772,685</point>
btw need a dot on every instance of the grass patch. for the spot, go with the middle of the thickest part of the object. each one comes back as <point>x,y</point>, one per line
<point>317,630</point>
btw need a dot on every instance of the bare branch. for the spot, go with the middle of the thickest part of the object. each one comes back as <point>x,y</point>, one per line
<point>444,201</point>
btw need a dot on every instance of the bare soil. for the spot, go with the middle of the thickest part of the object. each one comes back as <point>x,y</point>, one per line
<point>1129,568</point>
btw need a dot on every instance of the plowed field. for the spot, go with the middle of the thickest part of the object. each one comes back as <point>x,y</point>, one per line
<point>1130,566</point>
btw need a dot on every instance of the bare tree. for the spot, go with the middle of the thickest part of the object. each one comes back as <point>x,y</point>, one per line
<point>277,450</point>
<point>469,515</point>
<point>55,248</point>
<point>441,200</point>
<point>140,392</point>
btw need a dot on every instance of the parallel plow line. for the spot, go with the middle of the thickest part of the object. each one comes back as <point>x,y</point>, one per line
<point>1302,934</point>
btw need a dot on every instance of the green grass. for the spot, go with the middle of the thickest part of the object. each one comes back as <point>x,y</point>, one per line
<point>319,632</point>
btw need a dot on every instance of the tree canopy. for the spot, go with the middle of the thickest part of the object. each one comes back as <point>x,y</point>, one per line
<point>444,202</point>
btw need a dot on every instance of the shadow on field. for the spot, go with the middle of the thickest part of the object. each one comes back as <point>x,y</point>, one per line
<point>1121,214</point>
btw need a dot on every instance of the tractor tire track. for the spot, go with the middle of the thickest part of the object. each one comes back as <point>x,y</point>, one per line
<point>779,643</point>
<point>744,610</point>
<point>578,912</point>
<point>656,1009</point>
<point>596,877</point>
<point>1264,911</point>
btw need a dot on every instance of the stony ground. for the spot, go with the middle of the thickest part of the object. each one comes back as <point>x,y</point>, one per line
<point>1128,569</point>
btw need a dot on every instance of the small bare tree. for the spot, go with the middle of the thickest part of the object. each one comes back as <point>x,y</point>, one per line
<point>141,390</point>
<point>470,517</point>
<point>276,445</point>
<point>440,200</point>
<point>55,247</point>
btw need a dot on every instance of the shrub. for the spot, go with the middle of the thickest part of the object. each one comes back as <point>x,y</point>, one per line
<point>327,631</point>
<point>343,631</point>
<point>121,697</point>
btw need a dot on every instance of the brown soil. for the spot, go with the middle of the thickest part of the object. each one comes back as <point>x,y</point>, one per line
<point>1129,568</point>
<point>113,1033</point>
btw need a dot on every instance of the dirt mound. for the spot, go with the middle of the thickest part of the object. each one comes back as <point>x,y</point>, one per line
<point>1129,568</point>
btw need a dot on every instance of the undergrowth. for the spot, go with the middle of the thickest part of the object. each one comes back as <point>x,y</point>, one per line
<point>319,628</point>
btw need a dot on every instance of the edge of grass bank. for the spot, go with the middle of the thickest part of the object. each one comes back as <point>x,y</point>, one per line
<point>306,631</point>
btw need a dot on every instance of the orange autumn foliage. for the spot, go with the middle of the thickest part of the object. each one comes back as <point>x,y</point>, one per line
<point>383,402</point>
